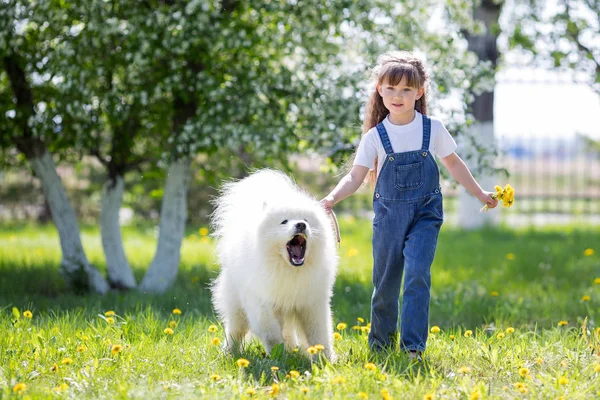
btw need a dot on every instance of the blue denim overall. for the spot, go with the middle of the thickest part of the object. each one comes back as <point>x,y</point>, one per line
<point>408,216</point>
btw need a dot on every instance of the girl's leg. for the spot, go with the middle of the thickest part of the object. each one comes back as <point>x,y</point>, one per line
<point>388,260</point>
<point>419,251</point>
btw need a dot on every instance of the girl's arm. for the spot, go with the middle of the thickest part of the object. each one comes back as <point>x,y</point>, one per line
<point>459,171</point>
<point>346,186</point>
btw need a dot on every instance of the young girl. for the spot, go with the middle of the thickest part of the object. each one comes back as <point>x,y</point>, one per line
<point>398,149</point>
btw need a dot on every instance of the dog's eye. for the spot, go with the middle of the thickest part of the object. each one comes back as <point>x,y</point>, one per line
<point>284,222</point>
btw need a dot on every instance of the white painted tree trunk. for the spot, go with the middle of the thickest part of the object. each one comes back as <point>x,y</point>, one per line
<point>75,266</point>
<point>173,213</point>
<point>469,215</point>
<point>120,274</point>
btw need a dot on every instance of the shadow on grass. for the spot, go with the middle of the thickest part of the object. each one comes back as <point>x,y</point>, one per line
<point>521,278</point>
<point>42,289</point>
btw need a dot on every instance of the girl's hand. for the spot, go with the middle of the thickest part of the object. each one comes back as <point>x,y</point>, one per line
<point>488,198</point>
<point>327,203</point>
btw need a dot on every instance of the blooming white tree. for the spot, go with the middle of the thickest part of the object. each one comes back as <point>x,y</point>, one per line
<point>159,83</point>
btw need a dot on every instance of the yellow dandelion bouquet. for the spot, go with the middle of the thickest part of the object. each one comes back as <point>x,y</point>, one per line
<point>506,195</point>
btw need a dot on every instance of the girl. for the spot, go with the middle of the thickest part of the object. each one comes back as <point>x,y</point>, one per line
<point>398,149</point>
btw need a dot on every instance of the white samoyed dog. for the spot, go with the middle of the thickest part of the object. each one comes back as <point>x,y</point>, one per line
<point>276,247</point>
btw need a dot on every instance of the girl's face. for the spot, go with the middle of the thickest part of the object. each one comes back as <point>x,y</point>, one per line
<point>399,100</point>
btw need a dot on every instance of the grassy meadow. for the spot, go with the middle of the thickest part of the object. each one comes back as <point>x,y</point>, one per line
<point>513,315</point>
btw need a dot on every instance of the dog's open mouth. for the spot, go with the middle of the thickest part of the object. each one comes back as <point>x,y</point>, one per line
<point>296,249</point>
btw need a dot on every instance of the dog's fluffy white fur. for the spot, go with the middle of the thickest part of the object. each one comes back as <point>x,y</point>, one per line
<point>276,249</point>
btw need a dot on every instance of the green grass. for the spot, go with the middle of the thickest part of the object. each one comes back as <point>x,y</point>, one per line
<point>484,281</point>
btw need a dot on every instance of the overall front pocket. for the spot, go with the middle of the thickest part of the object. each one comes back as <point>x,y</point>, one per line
<point>409,176</point>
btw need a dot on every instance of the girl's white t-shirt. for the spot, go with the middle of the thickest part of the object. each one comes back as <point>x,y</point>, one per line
<point>403,138</point>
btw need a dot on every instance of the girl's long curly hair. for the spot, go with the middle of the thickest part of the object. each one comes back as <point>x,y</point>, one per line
<point>390,69</point>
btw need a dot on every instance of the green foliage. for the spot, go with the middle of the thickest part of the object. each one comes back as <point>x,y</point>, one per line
<point>510,288</point>
<point>134,85</point>
<point>563,34</point>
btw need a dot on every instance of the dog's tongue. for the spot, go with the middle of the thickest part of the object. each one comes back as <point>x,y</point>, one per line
<point>296,250</point>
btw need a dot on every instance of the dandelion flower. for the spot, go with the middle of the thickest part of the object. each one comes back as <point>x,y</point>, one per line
<point>274,368</point>
<point>251,391</point>
<point>475,395</point>
<point>362,395</point>
<point>312,350</point>
<point>464,370</point>
<point>110,320</point>
<point>435,329</point>
<point>54,367</point>
<point>337,336</point>
<point>27,314</point>
<point>523,372</point>
<point>63,386</point>
<point>176,311</point>
<point>383,377</point>
<point>215,377</point>
<point>294,374</point>
<point>588,252</point>
<point>243,363</point>
<point>597,368</point>
<point>522,389</point>
<point>385,395</point>
<point>494,293</point>
<point>109,313</point>
<point>81,349</point>
<point>203,231</point>
<point>510,256</point>
<point>451,337</point>
<point>168,331</point>
<point>510,330</point>
<point>338,380</point>
<point>116,349</point>
<point>274,390</point>
<point>585,297</point>
<point>304,389</point>
<point>319,347</point>
<point>563,380</point>
<point>361,320</point>
<point>562,323</point>
<point>428,396</point>
<point>216,341</point>
<point>468,333</point>
<point>352,252</point>
<point>173,324</point>
<point>539,360</point>
<point>356,327</point>
<point>371,367</point>
<point>341,326</point>
<point>597,281</point>
<point>500,335</point>
<point>19,388</point>
<point>66,361</point>
<point>212,328</point>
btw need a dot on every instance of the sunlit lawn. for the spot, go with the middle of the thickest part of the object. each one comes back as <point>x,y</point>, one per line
<point>509,306</point>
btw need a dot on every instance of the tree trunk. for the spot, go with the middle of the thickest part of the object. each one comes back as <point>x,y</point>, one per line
<point>484,45</point>
<point>75,267</point>
<point>173,214</point>
<point>120,275</point>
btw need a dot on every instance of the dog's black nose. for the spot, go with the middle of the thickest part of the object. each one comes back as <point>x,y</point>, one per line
<point>300,227</point>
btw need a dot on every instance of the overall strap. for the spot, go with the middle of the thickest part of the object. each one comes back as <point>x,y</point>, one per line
<point>426,132</point>
<point>385,140</point>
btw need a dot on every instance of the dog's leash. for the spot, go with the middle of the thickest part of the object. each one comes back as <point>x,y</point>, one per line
<point>336,228</point>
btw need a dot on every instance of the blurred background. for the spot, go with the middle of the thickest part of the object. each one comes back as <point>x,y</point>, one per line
<point>116,113</point>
